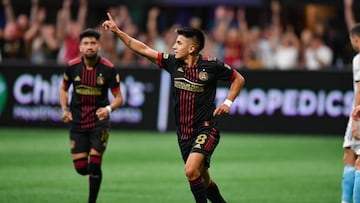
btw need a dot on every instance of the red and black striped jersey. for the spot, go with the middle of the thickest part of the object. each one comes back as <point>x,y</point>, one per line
<point>90,90</point>
<point>194,90</point>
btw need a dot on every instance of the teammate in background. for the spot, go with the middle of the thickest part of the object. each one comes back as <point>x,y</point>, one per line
<point>355,141</point>
<point>91,76</point>
<point>194,79</point>
<point>349,158</point>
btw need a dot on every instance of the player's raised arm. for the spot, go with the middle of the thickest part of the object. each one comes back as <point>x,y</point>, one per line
<point>133,44</point>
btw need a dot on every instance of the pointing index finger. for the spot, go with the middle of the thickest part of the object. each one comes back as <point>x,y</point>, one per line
<point>109,16</point>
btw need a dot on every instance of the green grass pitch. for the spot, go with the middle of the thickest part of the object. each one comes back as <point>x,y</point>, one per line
<point>145,167</point>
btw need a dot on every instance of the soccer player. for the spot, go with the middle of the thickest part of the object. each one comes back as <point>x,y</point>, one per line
<point>349,158</point>
<point>88,114</point>
<point>355,138</point>
<point>194,82</point>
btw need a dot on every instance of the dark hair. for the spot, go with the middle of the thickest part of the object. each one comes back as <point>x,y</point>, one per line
<point>355,30</point>
<point>90,32</point>
<point>189,32</point>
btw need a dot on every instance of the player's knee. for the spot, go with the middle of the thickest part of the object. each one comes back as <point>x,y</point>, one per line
<point>82,171</point>
<point>357,164</point>
<point>349,157</point>
<point>81,166</point>
<point>192,173</point>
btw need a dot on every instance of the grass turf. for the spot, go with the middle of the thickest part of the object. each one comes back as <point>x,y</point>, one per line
<point>146,167</point>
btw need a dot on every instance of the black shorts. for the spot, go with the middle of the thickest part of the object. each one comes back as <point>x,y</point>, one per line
<point>84,140</point>
<point>203,141</point>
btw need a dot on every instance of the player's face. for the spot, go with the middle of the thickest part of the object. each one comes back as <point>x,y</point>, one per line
<point>355,42</point>
<point>183,47</point>
<point>89,47</point>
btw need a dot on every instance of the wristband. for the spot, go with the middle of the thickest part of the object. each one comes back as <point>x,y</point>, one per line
<point>64,111</point>
<point>108,108</point>
<point>228,102</point>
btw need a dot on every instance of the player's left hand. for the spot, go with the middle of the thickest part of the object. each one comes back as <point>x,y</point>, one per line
<point>221,110</point>
<point>355,114</point>
<point>102,113</point>
<point>66,116</point>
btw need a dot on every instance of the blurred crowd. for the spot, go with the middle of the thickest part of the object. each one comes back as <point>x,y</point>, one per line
<point>229,37</point>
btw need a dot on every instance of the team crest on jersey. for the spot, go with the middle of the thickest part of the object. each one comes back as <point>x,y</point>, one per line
<point>100,80</point>
<point>166,56</point>
<point>77,78</point>
<point>203,76</point>
<point>180,69</point>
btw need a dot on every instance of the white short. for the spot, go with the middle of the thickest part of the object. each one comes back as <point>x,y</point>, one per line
<point>349,141</point>
<point>348,135</point>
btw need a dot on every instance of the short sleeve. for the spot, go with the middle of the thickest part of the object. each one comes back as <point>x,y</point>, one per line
<point>114,84</point>
<point>225,72</point>
<point>166,62</point>
<point>356,68</point>
<point>67,77</point>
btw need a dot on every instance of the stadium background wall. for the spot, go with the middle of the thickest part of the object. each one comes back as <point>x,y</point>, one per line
<point>271,101</point>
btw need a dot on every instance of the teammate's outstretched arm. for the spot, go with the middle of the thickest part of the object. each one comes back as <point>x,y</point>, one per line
<point>134,44</point>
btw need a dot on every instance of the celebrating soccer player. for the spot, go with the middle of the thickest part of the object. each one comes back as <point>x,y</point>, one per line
<point>194,82</point>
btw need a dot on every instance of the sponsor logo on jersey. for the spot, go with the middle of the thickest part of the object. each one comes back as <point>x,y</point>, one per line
<point>87,90</point>
<point>184,84</point>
